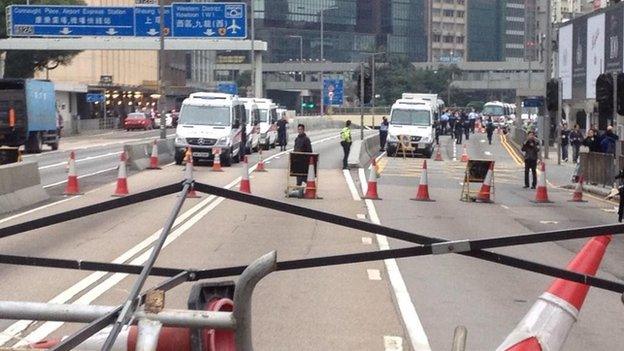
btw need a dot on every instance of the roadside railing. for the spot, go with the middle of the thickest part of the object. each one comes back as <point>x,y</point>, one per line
<point>598,168</point>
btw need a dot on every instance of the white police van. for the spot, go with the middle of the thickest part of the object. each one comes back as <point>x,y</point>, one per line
<point>252,128</point>
<point>413,120</point>
<point>268,122</point>
<point>208,121</point>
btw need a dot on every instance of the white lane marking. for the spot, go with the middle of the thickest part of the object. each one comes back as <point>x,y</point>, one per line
<point>80,177</point>
<point>373,274</point>
<point>90,158</point>
<point>393,343</point>
<point>351,185</point>
<point>609,210</point>
<point>361,216</point>
<point>505,207</point>
<point>367,241</point>
<point>37,209</point>
<point>454,151</point>
<point>549,222</point>
<point>482,140</point>
<point>415,330</point>
<point>48,327</point>
<point>487,153</point>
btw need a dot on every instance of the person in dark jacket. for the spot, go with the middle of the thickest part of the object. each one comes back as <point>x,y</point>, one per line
<point>437,125</point>
<point>591,141</point>
<point>282,138</point>
<point>565,141</point>
<point>302,144</point>
<point>609,139</point>
<point>576,140</point>
<point>383,133</point>
<point>466,124</point>
<point>452,122</point>
<point>459,131</point>
<point>489,129</point>
<point>531,151</point>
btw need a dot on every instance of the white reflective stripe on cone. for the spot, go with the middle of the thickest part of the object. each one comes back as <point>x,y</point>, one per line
<point>549,320</point>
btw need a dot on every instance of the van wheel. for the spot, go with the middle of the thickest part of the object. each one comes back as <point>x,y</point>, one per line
<point>34,143</point>
<point>391,151</point>
<point>226,159</point>
<point>237,158</point>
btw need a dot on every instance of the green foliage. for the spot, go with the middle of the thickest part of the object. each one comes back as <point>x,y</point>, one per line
<point>399,76</point>
<point>243,80</point>
<point>23,64</point>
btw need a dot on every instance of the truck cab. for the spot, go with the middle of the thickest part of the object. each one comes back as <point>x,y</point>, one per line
<point>412,120</point>
<point>28,114</point>
<point>210,121</point>
<point>268,122</point>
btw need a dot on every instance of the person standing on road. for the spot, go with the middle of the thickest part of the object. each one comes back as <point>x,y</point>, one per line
<point>444,119</point>
<point>383,133</point>
<point>345,141</point>
<point>302,144</point>
<point>609,139</point>
<point>489,129</point>
<point>576,140</point>
<point>452,121</point>
<point>565,141</point>
<point>531,151</point>
<point>282,138</point>
<point>472,116</point>
<point>458,130</point>
<point>437,127</point>
<point>467,124</point>
<point>591,141</point>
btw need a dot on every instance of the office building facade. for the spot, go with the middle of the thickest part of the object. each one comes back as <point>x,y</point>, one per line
<point>486,30</point>
<point>447,30</point>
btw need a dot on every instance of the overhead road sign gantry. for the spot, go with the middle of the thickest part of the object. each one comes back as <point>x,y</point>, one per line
<point>214,20</point>
<point>147,21</point>
<point>69,21</point>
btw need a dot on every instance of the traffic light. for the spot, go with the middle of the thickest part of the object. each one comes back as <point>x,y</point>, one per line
<point>604,94</point>
<point>368,86</point>
<point>552,95</point>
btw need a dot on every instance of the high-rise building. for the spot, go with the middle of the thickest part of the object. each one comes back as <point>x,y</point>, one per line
<point>486,30</point>
<point>447,30</point>
<point>565,10</point>
<point>523,20</point>
<point>352,28</point>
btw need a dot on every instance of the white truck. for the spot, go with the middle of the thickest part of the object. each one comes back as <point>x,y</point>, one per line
<point>268,122</point>
<point>210,121</point>
<point>411,121</point>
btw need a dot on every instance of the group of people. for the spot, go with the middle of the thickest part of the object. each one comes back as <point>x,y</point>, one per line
<point>460,124</point>
<point>594,141</point>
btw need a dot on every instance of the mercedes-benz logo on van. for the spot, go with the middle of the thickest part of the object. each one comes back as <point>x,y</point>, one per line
<point>201,141</point>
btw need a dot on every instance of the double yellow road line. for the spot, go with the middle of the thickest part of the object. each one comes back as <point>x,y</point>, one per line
<point>513,152</point>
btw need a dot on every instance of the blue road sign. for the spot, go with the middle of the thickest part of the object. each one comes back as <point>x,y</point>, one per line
<point>535,101</point>
<point>95,97</point>
<point>70,21</point>
<point>210,20</point>
<point>333,92</point>
<point>228,88</point>
<point>147,21</point>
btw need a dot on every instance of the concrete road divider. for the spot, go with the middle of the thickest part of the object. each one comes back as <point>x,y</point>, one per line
<point>139,153</point>
<point>362,151</point>
<point>20,186</point>
<point>314,123</point>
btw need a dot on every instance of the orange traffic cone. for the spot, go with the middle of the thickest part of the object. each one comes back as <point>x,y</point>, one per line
<point>578,192</point>
<point>260,167</point>
<point>245,185</point>
<point>541,195</point>
<point>154,157</point>
<point>72,187</point>
<point>551,318</point>
<point>371,191</point>
<point>122,177</point>
<point>439,155</point>
<point>464,156</point>
<point>191,194</point>
<point>310,189</point>
<point>486,189</point>
<point>423,187</point>
<point>216,163</point>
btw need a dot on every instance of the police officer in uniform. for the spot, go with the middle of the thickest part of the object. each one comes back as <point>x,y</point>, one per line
<point>345,141</point>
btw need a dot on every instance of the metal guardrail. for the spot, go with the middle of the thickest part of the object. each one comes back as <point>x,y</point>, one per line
<point>598,168</point>
<point>381,110</point>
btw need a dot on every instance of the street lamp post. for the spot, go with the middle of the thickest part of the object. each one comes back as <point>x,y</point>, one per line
<point>323,56</point>
<point>161,72</point>
<point>253,51</point>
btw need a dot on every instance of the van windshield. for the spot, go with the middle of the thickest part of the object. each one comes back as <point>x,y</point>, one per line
<point>205,115</point>
<point>493,110</point>
<point>264,116</point>
<point>410,118</point>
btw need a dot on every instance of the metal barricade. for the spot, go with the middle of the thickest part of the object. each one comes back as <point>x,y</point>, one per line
<point>598,168</point>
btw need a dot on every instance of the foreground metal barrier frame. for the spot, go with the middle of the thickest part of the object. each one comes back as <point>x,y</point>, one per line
<point>240,319</point>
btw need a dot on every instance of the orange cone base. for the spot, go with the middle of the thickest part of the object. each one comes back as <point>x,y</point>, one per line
<point>371,193</point>
<point>260,167</point>
<point>122,188</point>
<point>438,157</point>
<point>245,186</point>
<point>577,200</point>
<point>484,200</point>
<point>154,168</point>
<point>542,201</point>
<point>72,188</point>
<point>310,192</point>
<point>464,159</point>
<point>192,194</point>
<point>423,200</point>
<point>217,170</point>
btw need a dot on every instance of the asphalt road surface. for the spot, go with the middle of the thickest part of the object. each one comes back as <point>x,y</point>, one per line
<point>407,304</point>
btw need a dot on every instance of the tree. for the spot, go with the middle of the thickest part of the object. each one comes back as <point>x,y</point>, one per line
<point>23,64</point>
<point>243,81</point>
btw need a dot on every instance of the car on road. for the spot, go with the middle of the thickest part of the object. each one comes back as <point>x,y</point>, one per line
<point>210,121</point>
<point>268,122</point>
<point>138,120</point>
<point>411,125</point>
<point>252,129</point>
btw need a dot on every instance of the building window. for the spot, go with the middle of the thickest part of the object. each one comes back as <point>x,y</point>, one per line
<point>449,13</point>
<point>437,38</point>
<point>460,40</point>
<point>449,39</point>
<point>460,14</point>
